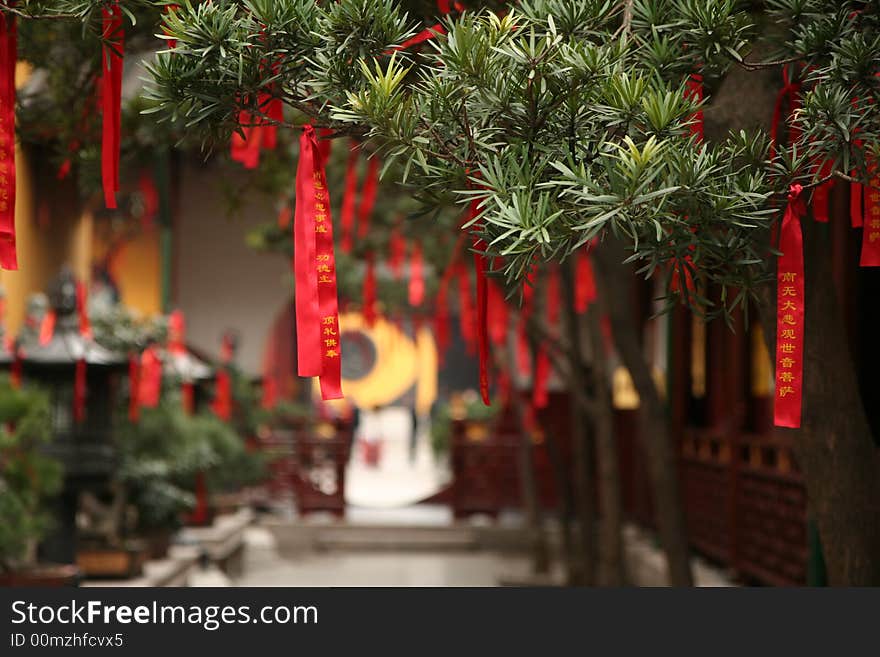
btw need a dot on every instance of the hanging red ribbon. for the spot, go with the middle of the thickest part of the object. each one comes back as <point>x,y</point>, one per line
<point>790,300</point>
<point>111,100</point>
<point>466,310</point>
<point>416,276</point>
<point>47,327</point>
<point>177,332</point>
<point>368,197</point>
<point>498,315</point>
<point>694,91</point>
<point>789,93</point>
<point>222,404</point>
<point>523,353</point>
<point>349,199</point>
<point>172,43</point>
<point>82,308</point>
<point>482,320</point>
<point>396,253</point>
<point>871,234</point>
<point>585,282</point>
<point>317,308</point>
<point>244,146</point>
<point>821,194</point>
<point>370,291</point>
<point>8,59</point>
<point>149,390</point>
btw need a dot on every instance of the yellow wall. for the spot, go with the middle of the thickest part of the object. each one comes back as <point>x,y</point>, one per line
<point>61,236</point>
<point>137,272</point>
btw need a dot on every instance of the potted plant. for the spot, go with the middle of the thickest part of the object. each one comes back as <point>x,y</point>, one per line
<point>28,481</point>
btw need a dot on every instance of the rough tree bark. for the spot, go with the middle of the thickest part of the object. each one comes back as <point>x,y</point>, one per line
<point>834,448</point>
<point>614,280</point>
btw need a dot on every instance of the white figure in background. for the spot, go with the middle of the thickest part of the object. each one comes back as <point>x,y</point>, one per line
<point>370,435</point>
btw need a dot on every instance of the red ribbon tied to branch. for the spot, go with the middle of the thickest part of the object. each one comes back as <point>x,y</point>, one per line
<point>317,309</point>
<point>790,315</point>
<point>111,100</point>
<point>8,58</point>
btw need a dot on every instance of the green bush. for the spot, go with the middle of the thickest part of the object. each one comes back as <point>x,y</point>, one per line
<point>28,478</point>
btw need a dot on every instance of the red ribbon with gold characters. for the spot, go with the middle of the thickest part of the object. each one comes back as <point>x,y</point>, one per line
<point>790,315</point>
<point>111,100</point>
<point>871,231</point>
<point>8,59</point>
<point>317,310</point>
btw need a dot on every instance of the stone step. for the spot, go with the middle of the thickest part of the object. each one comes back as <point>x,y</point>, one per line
<point>395,538</point>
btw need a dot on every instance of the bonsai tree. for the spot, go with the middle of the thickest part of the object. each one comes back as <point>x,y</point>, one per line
<point>28,479</point>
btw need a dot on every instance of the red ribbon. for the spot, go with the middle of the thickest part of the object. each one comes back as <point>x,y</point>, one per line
<point>871,234</point>
<point>789,92</point>
<point>498,315</point>
<point>370,291</point>
<point>821,194</point>
<point>421,37</point>
<point>790,315</point>
<point>111,100</point>
<point>8,59</point>
<point>222,404</point>
<point>245,145</point>
<point>149,390</point>
<point>317,308</point>
<point>416,277</point>
<point>47,327</point>
<point>346,213</point>
<point>523,353</point>
<point>694,91</point>
<point>396,253</point>
<point>585,282</point>
<point>466,310</point>
<point>177,332</point>
<point>368,197</point>
<point>82,308</point>
<point>482,319</point>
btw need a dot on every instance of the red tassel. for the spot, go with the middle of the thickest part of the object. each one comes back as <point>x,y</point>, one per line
<point>790,315</point>
<point>346,213</point>
<point>111,100</point>
<point>416,277</point>
<point>8,59</point>
<point>370,292</point>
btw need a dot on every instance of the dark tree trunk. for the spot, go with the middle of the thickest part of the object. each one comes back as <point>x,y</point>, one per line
<point>562,479</point>
<point>835,448</point>
<point>531,501</point>
<point>594,399</point>
<point>614,280</point>
<point>611,559</point>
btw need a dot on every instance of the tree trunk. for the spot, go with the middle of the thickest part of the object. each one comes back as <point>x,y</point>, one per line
<point>562,478</point>
<point>531,501</point>
<point>596,404</point>
<point>614,280</point>
<point>611,558</point>
<point>834,447</point>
